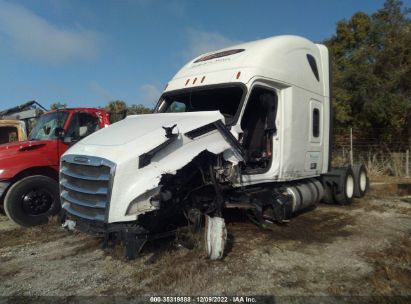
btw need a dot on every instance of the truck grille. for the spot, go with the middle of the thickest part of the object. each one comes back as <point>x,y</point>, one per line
<point>85,186</point>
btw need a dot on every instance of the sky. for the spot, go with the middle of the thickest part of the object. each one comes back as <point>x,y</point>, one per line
<point>89,52</point>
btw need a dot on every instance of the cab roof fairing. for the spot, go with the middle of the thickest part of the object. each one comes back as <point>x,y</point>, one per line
<point>281,58</point>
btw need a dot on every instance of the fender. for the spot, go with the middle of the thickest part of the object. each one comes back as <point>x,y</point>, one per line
<point>20,156</point>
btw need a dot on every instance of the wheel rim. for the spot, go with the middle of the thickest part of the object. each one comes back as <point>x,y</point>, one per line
<point>363,181</point>
<point>349,187</point>
<point>37,201</point>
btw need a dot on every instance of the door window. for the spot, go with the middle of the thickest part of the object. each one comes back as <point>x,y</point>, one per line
<point>82,125</point>
<point>258,124</point>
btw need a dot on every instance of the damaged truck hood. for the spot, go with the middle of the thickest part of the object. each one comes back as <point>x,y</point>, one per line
<point>142,152</point>
<point>138,134</point>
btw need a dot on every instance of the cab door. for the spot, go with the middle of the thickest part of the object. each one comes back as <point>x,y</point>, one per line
<point>259,127</point>
<point>81,124</point>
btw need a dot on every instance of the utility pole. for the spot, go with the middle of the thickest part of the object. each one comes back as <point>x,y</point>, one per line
<point>351,152</point>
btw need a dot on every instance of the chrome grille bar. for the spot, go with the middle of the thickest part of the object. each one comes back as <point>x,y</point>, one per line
<point>66,184</point>
<point>103,177</point>
<point>66,196</point>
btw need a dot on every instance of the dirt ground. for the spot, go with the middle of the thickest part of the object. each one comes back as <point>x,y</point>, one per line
<point>361,250</point>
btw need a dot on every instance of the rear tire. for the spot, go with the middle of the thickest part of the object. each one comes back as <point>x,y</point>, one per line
<point>346,187</point>
<point>328,197</point>
<point>361,181</point>
<point>31,200</point>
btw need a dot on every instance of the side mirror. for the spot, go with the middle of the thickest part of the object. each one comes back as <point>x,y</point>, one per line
<point>59,133</point>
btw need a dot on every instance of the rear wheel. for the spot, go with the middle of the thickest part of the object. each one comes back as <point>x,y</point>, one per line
<point>31,200</point>
<point>361,181</point>
<point>346,193</point>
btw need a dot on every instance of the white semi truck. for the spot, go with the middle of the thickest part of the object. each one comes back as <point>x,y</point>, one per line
<point>248,127</point>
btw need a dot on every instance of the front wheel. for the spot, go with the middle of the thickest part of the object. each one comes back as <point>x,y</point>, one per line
<point>31,200</point>
<point>215,237</point>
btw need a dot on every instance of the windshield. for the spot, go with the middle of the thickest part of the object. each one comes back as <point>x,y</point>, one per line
<point>46,125</point>
<point>226,100</point>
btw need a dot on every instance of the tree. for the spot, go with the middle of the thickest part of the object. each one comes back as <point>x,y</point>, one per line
<point>118,109</point>
<point>138,109</point>
<point>371,61</point>
<point>116,106</point>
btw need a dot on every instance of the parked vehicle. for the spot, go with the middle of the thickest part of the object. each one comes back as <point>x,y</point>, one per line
<point>12,130</point>
<point>15,121</point>
<point>29,190</point>
<point>246,127</point>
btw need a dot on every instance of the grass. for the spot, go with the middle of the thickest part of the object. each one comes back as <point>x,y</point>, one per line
<point>22,235</point>
<point>377,164</point>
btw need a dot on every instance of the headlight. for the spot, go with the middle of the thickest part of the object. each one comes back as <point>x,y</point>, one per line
<point>149,200</point>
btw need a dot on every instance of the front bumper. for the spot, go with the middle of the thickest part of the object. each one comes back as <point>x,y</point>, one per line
<point>133,237</point>
<point>97,228</point>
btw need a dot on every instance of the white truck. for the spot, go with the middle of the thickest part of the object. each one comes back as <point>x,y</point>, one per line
<point>249,127</point>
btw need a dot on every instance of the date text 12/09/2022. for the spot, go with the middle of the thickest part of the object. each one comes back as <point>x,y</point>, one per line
<point>203,299</point>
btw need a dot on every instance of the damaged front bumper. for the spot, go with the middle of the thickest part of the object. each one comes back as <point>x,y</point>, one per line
<point>132,236</point>
<point>99,229</point>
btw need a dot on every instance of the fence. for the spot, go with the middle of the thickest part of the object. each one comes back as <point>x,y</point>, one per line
<point>393,160</point>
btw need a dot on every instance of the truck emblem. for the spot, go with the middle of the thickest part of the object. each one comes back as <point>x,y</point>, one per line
<point>81,159</point>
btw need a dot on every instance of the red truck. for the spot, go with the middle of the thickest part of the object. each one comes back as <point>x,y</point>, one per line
<point>29,189</point>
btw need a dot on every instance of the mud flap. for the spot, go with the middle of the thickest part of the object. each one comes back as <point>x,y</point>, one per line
<point>215,237</point>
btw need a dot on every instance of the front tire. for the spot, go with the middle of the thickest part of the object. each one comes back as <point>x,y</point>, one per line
<point>215,237</point>
<point>31,200</point>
